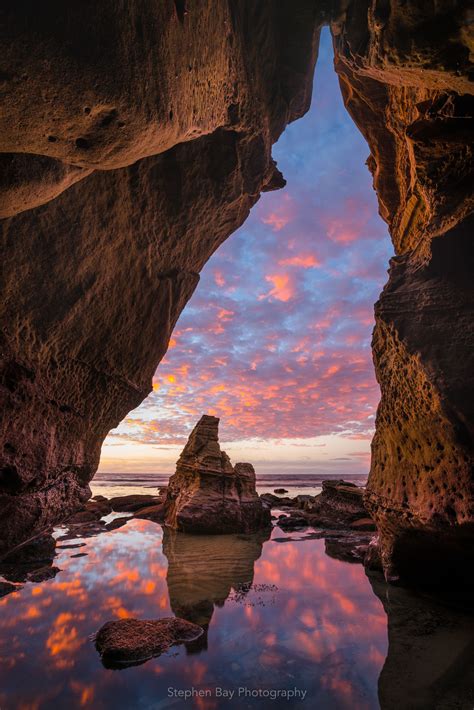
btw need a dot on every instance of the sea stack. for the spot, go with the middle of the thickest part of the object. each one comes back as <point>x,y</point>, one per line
<point>207,495</point>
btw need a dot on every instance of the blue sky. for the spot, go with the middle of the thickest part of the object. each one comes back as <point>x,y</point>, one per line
<point>276,339</point>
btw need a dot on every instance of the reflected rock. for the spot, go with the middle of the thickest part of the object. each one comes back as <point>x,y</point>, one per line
<point>430,660</point>
<point>202,572</point>
<point>207,495</point>
<point>8,588</point>
<point>32,562</point>
<point>130,642</point>
<point>347,546</point>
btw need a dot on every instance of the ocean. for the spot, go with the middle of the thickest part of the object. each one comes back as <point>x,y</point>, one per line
<point>117,484</point>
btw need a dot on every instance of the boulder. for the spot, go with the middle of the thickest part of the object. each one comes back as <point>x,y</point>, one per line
<point>83,516</point>
<point>31,562</point>
<point>117,523</point>
<point>292,522</point>
<point>154,513</point>
<point>280,491</point>
<point>8,588</point>
<point>338,506</point>
<point>127,642</point>
<point>303,501</point>
<point>363,524</point>
<point>207,494</point>
<point>271,501</point>
<point>133,502</point>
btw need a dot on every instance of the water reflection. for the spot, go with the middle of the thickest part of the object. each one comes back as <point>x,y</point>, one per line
<point>430,661</point>
<point>204,570</point>
<point>278,616</point>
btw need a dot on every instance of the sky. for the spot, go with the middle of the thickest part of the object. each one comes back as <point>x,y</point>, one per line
<point>276,338</point>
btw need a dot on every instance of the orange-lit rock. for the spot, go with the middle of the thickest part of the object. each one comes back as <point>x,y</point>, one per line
<point>100,253</point>
<point>207,495</point>
<point>134,142</point>
<point>405,78</point>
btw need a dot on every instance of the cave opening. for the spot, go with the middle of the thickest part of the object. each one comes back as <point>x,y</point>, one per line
<point>135,144</point>
<point>276,339</point>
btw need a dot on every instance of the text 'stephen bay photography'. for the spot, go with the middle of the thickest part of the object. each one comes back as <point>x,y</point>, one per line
<point>236,355</point>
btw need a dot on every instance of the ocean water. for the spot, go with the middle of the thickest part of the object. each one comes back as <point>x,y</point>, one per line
<point>282,612</point>
<point>279,615</point>
<point>117,484</point>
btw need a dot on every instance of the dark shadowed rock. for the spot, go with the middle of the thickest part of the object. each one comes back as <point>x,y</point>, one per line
<point>347,546</point>
<point>372,559</point>
<point>32,561</point>
<point>280,491</point>
<point>117,523</point>
<point>272,501</point>
<point>84,516</point>
<point>207,494</point>
<point>339,505</point>
<point>155,513</point>
<point>133,502</point>
<point>430,659</point>
<point>8,588</point>
<point>128,642</point>
<point>292,522</point>
<point>363,524</point>
<point>42,574</point>
<point>303,501</point>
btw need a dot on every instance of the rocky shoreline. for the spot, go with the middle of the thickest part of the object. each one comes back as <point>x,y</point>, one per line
<point>204,569</point>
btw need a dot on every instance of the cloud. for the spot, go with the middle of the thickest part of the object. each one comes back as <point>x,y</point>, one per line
<point>276,338</point>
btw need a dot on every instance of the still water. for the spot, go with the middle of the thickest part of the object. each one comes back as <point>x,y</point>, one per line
<point>279,614</point>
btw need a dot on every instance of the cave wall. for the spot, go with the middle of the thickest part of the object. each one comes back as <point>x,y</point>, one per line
<point>135,138</point>
<point>133,141</point>
<point>406,77</point>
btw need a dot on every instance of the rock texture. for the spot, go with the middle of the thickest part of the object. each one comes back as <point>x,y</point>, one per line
<point>127,642</point>
<point>100,252</point>
<point>134,140</point>
<point>405,74</point>
<point>207,495</point>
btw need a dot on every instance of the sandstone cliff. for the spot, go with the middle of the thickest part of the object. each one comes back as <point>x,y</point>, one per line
<point>405,74</point>
<point>134,141</point>
<point>207,495</point>
<point>100,252</point>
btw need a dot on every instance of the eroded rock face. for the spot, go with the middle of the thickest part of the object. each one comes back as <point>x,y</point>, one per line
<point>405,77</point>
<point>421,487</point>
<point>133,142</point>
<point>207,495</point>
<point>100,253</point>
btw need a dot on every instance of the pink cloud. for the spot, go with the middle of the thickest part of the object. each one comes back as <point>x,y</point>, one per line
<point>282,287</point>
<point>305,261</point>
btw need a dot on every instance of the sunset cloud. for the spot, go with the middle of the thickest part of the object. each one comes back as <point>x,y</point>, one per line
<point>282,287</point>
<point>276,338</point>
<point>304,261</point>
